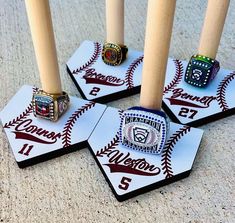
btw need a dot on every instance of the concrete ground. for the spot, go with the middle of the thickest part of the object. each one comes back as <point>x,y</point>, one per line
<point>71,188</point>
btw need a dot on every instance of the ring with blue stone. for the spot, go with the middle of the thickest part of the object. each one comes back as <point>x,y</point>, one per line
<point>144,130</point>
<point>201,70</point>
<point>49,106</point>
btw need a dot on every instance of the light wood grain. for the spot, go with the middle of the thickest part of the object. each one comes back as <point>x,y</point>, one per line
<point>115,21</point>
<point>40,22</point>
<point>160,17</point>
<point>71,188</point>
<point>212,28</point>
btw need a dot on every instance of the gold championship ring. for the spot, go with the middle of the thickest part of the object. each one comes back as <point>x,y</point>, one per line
<point>114,54</point>
<point>49,106</point>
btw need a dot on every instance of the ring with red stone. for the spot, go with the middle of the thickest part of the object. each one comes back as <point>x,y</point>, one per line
<point>114,54</point>
<point>49,106</point>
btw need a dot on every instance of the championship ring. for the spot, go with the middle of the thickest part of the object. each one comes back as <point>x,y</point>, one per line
<point>49,106</point>
<point>144,130</point>
<point>114,54</point>
<point>201,70</point>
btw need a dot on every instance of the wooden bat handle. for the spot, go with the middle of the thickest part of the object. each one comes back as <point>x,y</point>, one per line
<point>213,26</point>
<point>115,21</point>
<point>160,18</point>
<point>39,17</point>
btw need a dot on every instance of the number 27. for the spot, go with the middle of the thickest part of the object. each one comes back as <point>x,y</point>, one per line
<point>187,113</point>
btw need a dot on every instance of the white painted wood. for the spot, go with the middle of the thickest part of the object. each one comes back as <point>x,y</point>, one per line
<point>180,151</point>
<point>75,126</point>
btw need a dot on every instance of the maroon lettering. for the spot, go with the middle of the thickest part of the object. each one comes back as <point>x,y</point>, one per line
<point>187,113</point>
<point>120,162</point>
<point>125,183</point>
<point>179,97</point>
<point>92,77</point>
<point>94,91</point>
<point>25,130</point>
<point>26,146</point>
<point>117,157</point>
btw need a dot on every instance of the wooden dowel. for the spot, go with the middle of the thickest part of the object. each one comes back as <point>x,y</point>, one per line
<point>40,22</point>
<point>115,21</point>
<point>160,18</point>
<point>213,26</point>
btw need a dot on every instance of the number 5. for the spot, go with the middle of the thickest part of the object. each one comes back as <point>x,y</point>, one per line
<point>124,183</point>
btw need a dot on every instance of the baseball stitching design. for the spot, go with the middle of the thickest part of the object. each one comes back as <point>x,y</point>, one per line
<point>169,146</point>
<point>22,116</point>
<point>112,144</point>
<point>18,119</point>
<point>221,91</point>
<point>107,149</point>
<point>35,89</point>
<point>177,78</point>
<point>92,60</point>
<point>66,136</point>
<point>130,72</point>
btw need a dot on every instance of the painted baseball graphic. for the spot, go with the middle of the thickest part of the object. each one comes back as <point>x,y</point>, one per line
<point>95,80</point>
<point>127,170</point>
<point>188,105</point>
<point>224,97</point>
<point>31,138</point>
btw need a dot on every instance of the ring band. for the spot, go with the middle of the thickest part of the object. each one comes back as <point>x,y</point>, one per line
<point>49,106</point>
<point>201,70</point>
<point>144,130</point>
<point>114,54</point>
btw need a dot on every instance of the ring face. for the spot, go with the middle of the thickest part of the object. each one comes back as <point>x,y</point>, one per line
<point>143,131</point>
<point>201,70</point>
<point>49,106</point>
<point>43,106</point>
<point>113,54</point>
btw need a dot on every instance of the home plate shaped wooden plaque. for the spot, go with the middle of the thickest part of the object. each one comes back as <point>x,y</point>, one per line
<point>100,82</point>
<point>129,172</point>
<point>183,103</point>
<point>195,106</point>
<point>34,140</point>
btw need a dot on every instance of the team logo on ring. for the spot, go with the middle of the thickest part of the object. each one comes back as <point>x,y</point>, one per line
<point>112,54</point>
<point>140,134</point>
<point>143,131</point>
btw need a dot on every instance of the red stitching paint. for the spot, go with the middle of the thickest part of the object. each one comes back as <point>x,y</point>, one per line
<point>35,89</point>
<point>130,72</point>
<point>113,143</point>
<point>166,154</point>
<point>221,91</point>
<point>18,119</point>
<point>92,60</point>
<point>177,78</point>
<point>22,116</point>
<point>107,149</point>
<point>66,136</point>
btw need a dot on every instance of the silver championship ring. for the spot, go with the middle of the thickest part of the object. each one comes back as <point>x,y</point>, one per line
<point>144,130</point>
